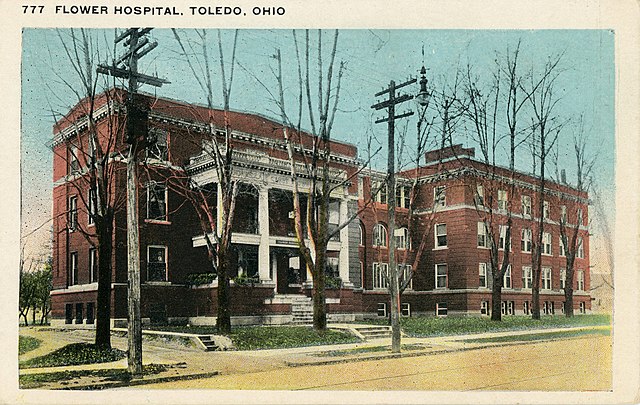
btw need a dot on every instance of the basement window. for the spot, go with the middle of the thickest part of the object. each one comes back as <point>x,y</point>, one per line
<point>441,309</point>
<point>382,309</point>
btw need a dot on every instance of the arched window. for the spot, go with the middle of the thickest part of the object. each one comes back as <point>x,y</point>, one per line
<point>361,229</point>
<point>380,235</point>
<point>402,239</point>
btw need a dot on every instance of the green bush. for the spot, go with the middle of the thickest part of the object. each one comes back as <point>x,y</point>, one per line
<point>200,278</point>
<point>73,354</point>
<point>30,381</point>
<point>27,344</point>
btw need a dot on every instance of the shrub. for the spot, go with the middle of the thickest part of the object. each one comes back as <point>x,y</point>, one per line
<point>73,354</point>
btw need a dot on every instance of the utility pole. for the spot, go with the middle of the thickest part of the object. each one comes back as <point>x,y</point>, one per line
<point>394,287</point>
<point>138,139</point>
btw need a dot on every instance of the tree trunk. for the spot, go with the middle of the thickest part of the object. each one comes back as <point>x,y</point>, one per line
<point>535,289</point>
<point>496,299</point>
<point>104,226</point>
<point>223,322</point>
<point>319,302</point>
<point>568,290</point>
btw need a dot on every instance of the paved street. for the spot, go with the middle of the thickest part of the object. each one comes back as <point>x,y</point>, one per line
<point>570,364</point>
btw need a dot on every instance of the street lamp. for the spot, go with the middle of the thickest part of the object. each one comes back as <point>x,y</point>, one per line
<point>423,95</point>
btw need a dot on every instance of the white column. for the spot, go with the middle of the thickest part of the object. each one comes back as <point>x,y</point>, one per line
<point>263,223</point>
<point>344,244</point>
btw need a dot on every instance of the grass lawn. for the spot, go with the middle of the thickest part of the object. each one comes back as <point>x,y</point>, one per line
<point>27,343</point>
<point>270,337</point>
<point>73,354</point>
<point>30,381</point>
<point>541,336</point>
<point>434,326</point>
<point>370,349</point>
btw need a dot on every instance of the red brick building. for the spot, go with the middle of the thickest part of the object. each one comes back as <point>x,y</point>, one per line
<point>272,285</point>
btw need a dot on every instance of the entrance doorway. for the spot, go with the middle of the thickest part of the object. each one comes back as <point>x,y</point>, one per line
<point>290,270</point>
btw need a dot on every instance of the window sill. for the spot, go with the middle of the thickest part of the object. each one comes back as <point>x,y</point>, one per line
<point>483,247</point>
<point>440,248</point>
<point>158,283</point>
<point>526,252</point>
<point>157,221</point>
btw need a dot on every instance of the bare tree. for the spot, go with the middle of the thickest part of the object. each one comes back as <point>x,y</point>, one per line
<point>545,128</point>
<point>220,149</point>
<point>89,154</point>
<point>569,232</point>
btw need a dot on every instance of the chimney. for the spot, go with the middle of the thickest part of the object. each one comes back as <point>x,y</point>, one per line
<point>449,152</point>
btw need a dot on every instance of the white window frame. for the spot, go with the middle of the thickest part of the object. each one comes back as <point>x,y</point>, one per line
<point>482,235</point>
<point>563,213</point>
<point>525,307</point>
<point>563,278</point>
<point>527,277</point>
<point>440,196</point>
<point>547,275</point>
<point>526,205</point>
<point>380,235</point>
<point>437,231</point>
<point>525,240</point>
<point>361,229</point>
<point>93,265</point>
<point>484,308</point>
<point>153,185</point>
<point>403,241</point>
<point>546,244</point>
<point>503,200</point>
<point>382,309</point>
<point>580,217</point>
<point>380,274</point>
<point>72,222</point>
<point>381,195</point>
<point>153,151</point>
<point>546,210</point>
<point>502,238</point>
<point>406,271</point>
<point>580,280</point>
<point>507,277</point>
<point>562,250</point>
<point>74,160</point>
<point>92,199</point>
<point>444,276</point>
<point>73,268</point>
<point>166,262</point>
<point>482,273</point>
<point>580,248</point>
<point>405,309</point>
<point>479,195</point>
<point>583,307</point>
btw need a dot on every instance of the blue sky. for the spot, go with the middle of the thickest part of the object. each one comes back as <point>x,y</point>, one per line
<point>373,58</point>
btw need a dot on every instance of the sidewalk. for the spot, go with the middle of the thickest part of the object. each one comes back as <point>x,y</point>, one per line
<point>184,362</point>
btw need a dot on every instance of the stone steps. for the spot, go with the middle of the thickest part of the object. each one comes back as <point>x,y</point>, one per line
<point>374,332</point>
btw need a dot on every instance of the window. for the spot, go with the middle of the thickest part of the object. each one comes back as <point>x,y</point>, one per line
<point>405,309</point>
<point>502,200</point>
<point>525,307</point>
<point>563,278</point>
<point>580,280</point>
<point>439,197</point>
<point>563,251</point>
<point>580,252</point>
<point>579,216</point>
<point>73,213</point>
<point>90,312</point>
<point>546,243</point>
<point>361,229</point>
<point>79,317</point>
<point>526,240</point>
<point>484,308</point>
<point>441,235</point>
<point>93,265</point>
<point>380,275</point>
<point>441,276</point>
<point>380,188</point>
<point>380,235</point>
<point>482,235</point>
<point>156,263</point>
<point>506,280</point>
<point>482,273</point>
<point>526,206</point>
<point>156,201</point>
<point>583,308</point>
<point>479,197</point>
<point>441,309</point>
<point>546,278</point>
<point>405,270</point>
<point>545,308</point>
<point>545,209</point>
<point>563,214</point>
<point>68,313</point>
<point>74,163</point>
<point>503,238</point>
<point>527,279</point>
<point>406,197</point>
<point>382,309</point>
<point>507,307</point>
<point>549,308</point>
<point>402,238</point>
<point>93,206</point>
<point>402,196</point>
<point>159,146</point>
<point>73,268</point>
